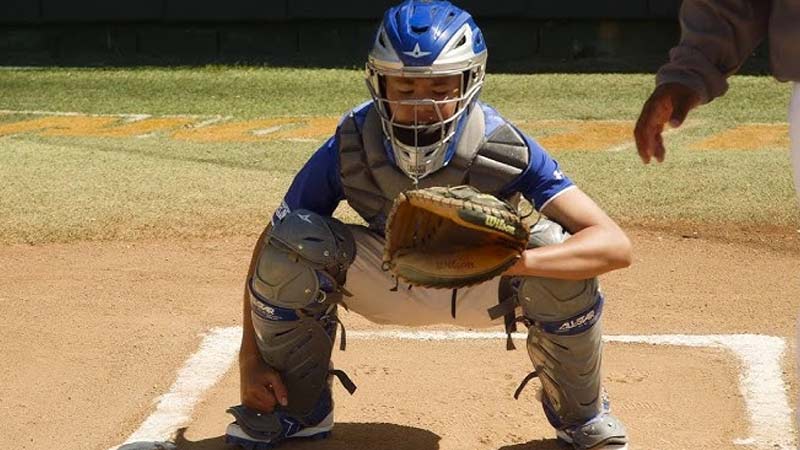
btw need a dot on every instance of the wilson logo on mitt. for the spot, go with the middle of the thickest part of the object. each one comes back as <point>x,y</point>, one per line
<point>499,224</point>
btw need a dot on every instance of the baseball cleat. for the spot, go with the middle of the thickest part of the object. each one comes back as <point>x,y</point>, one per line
<point>254,430</point>
<point>235,435</point>
<point>604,432</point>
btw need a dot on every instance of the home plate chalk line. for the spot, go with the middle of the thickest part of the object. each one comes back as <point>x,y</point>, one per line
<point>760,382</point>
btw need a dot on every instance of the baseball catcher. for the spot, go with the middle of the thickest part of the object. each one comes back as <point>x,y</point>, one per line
<point>442,182</point>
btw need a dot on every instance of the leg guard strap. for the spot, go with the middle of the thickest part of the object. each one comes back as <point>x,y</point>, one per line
<point>574,325</point>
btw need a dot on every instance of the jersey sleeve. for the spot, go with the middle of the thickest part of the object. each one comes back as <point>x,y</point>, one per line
<point>543,179</point>
<point>317,187</point>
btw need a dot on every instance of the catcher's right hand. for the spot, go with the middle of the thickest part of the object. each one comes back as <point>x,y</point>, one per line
<point>261,387</point>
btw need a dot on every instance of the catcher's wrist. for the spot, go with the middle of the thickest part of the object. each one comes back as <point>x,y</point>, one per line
<point>520,267</point>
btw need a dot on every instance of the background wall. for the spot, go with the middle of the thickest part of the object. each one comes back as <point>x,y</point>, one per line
<point>529,36</point>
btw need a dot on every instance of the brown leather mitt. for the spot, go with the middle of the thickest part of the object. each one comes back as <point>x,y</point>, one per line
<point>454,237</point>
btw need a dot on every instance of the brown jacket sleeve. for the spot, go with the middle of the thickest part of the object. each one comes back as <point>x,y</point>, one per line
<point>716,38</point>
<point>784,40</point>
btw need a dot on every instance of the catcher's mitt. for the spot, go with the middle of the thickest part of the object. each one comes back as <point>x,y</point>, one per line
<point>452,237</point>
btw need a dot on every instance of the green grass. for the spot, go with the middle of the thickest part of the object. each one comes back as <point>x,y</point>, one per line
<point>65,189</point>
<point>256,92</point>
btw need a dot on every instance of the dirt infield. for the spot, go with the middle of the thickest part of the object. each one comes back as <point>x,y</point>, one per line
<point>94,333</point>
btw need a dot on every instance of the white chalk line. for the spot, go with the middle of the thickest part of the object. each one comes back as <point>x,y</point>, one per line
<point>761,383</point>
<point>140,116</point>
<point>129,116</point>
<point>205,120</point>
<point>211,121</point>
<point>200,372</point>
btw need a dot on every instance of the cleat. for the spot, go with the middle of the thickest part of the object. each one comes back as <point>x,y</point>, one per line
<point>253,430</point>
<point>604,432</point>
<point>236,435</point>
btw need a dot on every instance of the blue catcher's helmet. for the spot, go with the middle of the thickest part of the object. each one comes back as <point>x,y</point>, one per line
<point>426,38</point>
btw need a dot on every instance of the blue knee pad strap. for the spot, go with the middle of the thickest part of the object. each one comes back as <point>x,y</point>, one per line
<point>576,324</point>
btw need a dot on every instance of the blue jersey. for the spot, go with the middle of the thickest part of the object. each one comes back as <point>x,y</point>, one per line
<point>318,187</point>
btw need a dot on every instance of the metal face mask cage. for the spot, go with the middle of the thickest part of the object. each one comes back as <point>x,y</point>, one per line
<point>422,154</point>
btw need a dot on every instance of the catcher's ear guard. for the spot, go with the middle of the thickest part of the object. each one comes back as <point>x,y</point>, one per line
<point>444,237</point>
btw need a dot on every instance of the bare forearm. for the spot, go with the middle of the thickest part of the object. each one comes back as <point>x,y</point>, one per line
<point>591,252</point>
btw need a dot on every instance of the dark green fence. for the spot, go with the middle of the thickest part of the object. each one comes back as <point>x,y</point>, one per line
<point>563,35</point>
<point>71,11</point>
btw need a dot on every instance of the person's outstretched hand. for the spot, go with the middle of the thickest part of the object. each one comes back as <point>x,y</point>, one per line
<point>670,102</point>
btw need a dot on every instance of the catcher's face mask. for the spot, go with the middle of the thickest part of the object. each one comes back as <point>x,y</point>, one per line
<point>425,70</point>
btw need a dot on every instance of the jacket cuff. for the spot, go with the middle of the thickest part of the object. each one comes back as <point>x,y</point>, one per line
<point>692,69</point>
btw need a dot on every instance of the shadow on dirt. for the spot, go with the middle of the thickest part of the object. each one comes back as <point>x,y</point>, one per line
<point>539,444</point>
<point>346,436</point>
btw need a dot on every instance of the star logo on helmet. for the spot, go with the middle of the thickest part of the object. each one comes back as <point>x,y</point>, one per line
<point>417,53</point>
<point>305,217</point>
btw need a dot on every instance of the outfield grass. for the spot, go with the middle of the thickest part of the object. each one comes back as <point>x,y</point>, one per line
<point>254,92</point>
<point>64,189</point>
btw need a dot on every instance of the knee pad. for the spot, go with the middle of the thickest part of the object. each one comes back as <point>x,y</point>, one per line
<point>304,260</point>
<point>294,294</point>
<point>546,232</point>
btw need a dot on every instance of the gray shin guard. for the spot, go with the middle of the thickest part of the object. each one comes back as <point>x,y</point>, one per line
<point>565,345</point>
<point>300,350</point>
<point>564,336</point>
<point>294,294</point>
